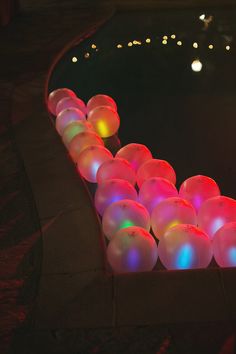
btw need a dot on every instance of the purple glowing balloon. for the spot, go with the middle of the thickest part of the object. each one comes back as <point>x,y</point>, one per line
<point>197,189</point>
<point>136,154</point>
<point>123,214</point>
<point>56,95</point>
<point>171,212</point>
<point>132,249</point>
<point>111,191</point>
<point>69,102</point>
<point>216,212</point>
<point>67,117</point>
<point>224,245</point>
<point>90,159</point>
<point>154,190</point>
<point>116,168</point>
<point>185,247</point>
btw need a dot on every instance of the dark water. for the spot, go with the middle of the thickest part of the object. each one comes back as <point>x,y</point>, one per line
<point>185,117</point>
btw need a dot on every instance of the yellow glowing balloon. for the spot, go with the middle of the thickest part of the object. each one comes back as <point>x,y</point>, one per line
<point>104,120</point>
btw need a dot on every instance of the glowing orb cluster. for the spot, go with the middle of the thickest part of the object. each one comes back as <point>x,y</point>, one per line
<point>68,116</point>
<point>123,214</point>
<point>190,225</point>
<point>104,120</point>
<point>81,142</point>
<point>111,191</point>
<point>197,189</point>
<point>116,168</point>
<point>101,100</point>
<point>136,154</point>
<point>185,247</point>
<point>69,102</point>
<point>155,168</point>
<point>154,190</point>
<point>132,249</point>
<point>56,95</point>
<point>171,212</point>
<point>215,213</point>
<point>90,159</point>
<point>74,129</point>
<point>224,245</point>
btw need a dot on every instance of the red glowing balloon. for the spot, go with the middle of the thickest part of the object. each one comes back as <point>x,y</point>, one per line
<point>224,245</point>
<point>155,168</point>
<point>116,168</point>
<point>215,213</point>
<point>185,247</point>
<point>154,190</point>
<point>69,102</point>
<point>56,95</point>
<point>90,159</point>
<point>111,191</point>
<point>132,249</point>
<point>136,154</point>
<point>122,214</point>
<point>81,142</point>
<point>171,212</point>
<point>101,100</point>
<point>197,189</point>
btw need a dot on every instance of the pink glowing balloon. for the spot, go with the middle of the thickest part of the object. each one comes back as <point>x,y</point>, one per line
<point>111,191</point>
<point>74,129</point>
<point>101,100</point>
<point>197,189</point>
<point>136,154</point>
<point>154,190</point>
<point>56,95</point>
<point>81,142</point>
<point>185,247</point>
<point>116,168</point>
<point>68,116</point>
<point>171,212</point>
<point>69,102</point>
<point>90,159</point>
<point>104,120</point>
<point>155,168</point>
<point>122,214</point>
<point>224,245</point>
<point>216,212</point>
<point>132,250</point>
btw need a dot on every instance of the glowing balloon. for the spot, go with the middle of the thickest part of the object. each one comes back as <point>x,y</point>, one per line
<point>216,212</point>
<point>197,189</point>
<point>224,245</point>
<point>104,120</point>
<point>155,168</point>
<point>154,190</point>
<point>132,250</point>
<point>90,159</point>
<point>136,154</point>
<point>116,168</point>
<point>69,102</point>
<point>122,214</point>
<point>81,142</point>
<point>68,116</point>
<point>111,191</point>
<point>56,95</point>
<point>73,129</point>
<point>171,212</point>
<point>101,100</point>
<point>185,247</point>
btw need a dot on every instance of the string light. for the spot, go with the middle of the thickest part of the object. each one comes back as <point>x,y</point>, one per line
<point>130,44</point>
<point>227,47</point>
<point>195,45</point>
<point>148,40</point>
<point>87,55</point>
<point>210,46</point>
<point>179,43</point>
<point>196,65</point>
<point>202,17</point>
<point>119,46</point>
<point>164,41</point>
<point>165,37</point>
<point>74,59</point>
<point>173,36</point>
<point>93,46</point>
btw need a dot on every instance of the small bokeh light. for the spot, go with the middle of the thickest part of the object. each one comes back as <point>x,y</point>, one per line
<point>119,46</point>
<point>202,17</point>
<point>74,60</point>
<point>148,40</point>
<point>196,65</point>
<point>164,41</point>
<point>173,36</point>
<point>179,43</point>
<point>227,47</point>
<point>210,46</point>
<point>195,45</point>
